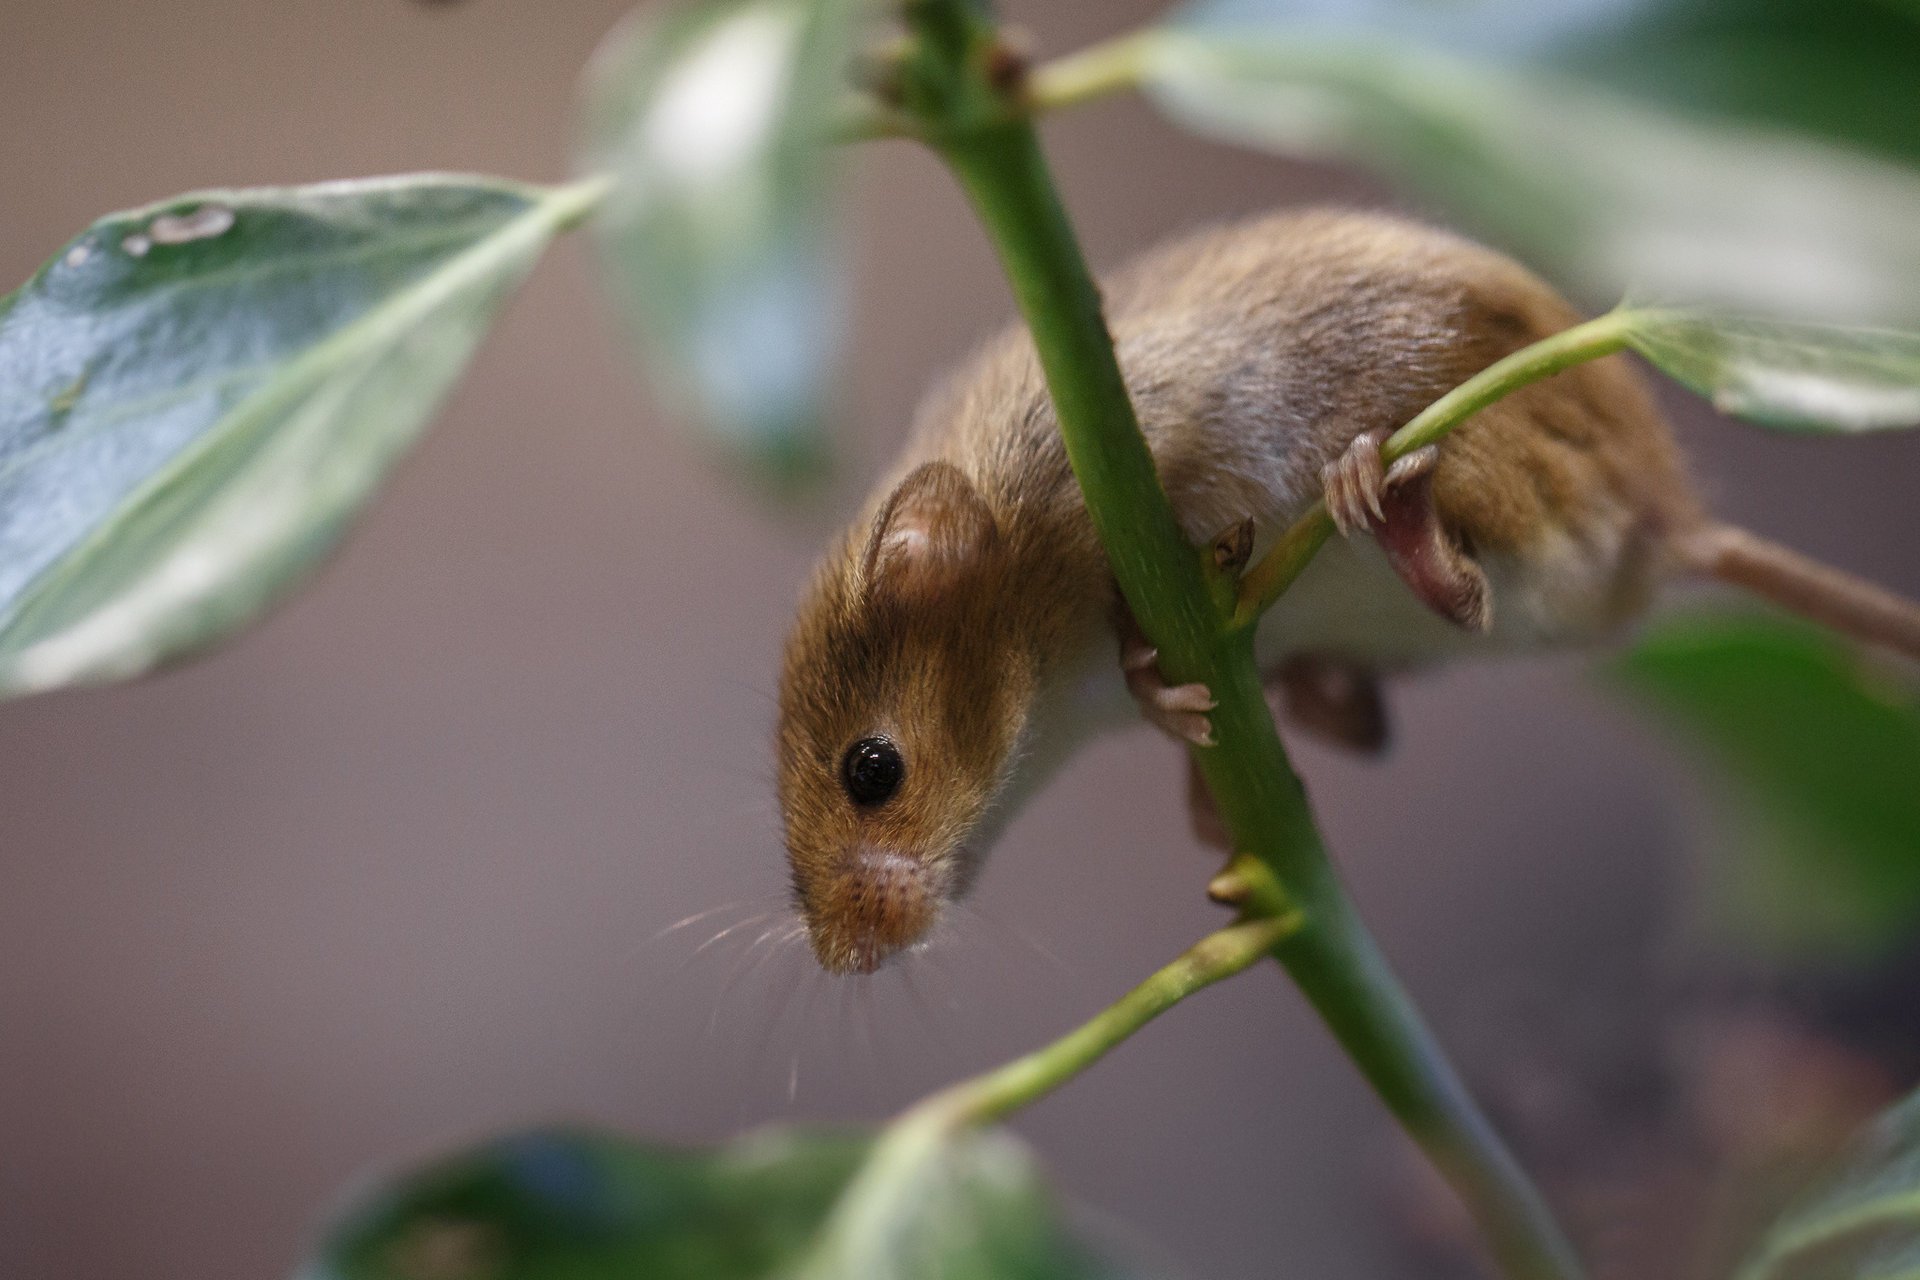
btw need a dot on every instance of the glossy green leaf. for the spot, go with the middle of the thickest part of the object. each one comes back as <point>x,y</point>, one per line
<point>1605,191</point>
<point>196,397</point>
<point>1802,377</point>
<point>1864,1222</point>
<point>1816,755</point>
<point>713,121</point>
<point>574,1206</point>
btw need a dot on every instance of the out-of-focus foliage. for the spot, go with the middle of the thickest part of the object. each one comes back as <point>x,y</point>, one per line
<point>196,397</point>
<point>574,1206</point>
<point>1864,1224</point>
<point>1752,154</point>
<point>1825,68</point>
<point>1818,759</point>
<point>1799,377</point>
<point>714,121</point>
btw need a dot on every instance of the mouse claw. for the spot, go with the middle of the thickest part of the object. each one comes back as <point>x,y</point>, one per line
<point>1178,710</point>
<point>1396,505</point>
<point>1192,727</point>
<point>1137,655</point>
<point>1420,462</point>
<point>1357,482</point>
<point>1354,483</point>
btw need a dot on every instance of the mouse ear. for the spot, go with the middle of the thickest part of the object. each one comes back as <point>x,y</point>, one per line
<point>933,528</point>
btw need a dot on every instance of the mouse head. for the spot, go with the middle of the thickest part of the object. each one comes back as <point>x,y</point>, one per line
<point>902,699</point>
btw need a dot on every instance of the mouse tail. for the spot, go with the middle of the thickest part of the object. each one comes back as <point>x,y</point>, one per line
<point>1799,584</point>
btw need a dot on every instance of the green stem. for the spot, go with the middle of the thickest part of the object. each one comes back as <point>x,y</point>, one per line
<point>574,203</point>
<point>1604,336</point>
<point>1113,66</point>
<point>1006,1089</point>
<point>894,1180</point>
<point>1255,789</point>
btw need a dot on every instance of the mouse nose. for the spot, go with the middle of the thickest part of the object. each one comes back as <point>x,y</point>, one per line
<point>893,902</point>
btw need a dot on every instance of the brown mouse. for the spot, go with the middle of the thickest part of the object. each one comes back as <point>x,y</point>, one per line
<point>957,642</point>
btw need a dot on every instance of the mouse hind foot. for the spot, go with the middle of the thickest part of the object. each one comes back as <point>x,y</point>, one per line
<point>1178,710</point>
<point>1337,701</point>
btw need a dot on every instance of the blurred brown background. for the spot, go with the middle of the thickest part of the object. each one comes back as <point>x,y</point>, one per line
<point>383,876</point>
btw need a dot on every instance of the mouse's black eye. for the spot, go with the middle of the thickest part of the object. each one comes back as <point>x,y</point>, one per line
<point>871,771</point>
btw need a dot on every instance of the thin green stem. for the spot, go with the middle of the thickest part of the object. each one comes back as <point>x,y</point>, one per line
<point>1188,616</point>
<point>1900,1206</point>
<point>574,203</point>
<point>1112,66</point>
<point>1604,336</point>
<point>1006,1089</point>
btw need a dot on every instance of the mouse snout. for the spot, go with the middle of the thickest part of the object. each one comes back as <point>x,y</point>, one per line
<point>888,902</point>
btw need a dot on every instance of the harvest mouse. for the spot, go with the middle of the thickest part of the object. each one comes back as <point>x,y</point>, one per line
<point>958,641</point>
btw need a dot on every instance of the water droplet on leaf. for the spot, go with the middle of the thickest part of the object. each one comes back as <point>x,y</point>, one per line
<point>78,255</point>
<point>204,223</point>
<point>136,245</point>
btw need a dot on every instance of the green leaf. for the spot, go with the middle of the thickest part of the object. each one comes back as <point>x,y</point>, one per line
<point>1864,1223</point>
<point>713,121</point>
<point>1817,756</point>
<point>1604,191</point>
<point>196,397</point>
<point>1801,377</point>
<point>577,1206</point>
<point>1829,69</point>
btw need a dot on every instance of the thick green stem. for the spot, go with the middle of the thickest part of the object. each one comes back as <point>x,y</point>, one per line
<point>1255,789</point>
<point>1604,336</point>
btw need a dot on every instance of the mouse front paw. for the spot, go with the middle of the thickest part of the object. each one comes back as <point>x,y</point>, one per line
<point>1396,505</point>
<point>1178,710</point>
<point>1358,482</point>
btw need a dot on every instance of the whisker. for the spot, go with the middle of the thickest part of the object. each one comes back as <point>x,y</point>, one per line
<point>814,976</point>
<point>628,954</point>
<point>1020,937</point>
<point>923,1012</point>
<point>731,929</point>
<point>757,1055</point>
<point>845,990</point>
<point>863,1024</point>
<point>698,916</point>
<point>746,964</point>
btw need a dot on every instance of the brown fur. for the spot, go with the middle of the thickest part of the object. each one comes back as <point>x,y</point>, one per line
<point>1255,353</point>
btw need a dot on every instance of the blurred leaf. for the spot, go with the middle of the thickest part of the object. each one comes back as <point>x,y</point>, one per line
<point>713,120</point>
<point>571,1206</point>
<point>1803,377</point>
<point>196,397</point>
<point>1820,764</point>
<point>1603,190</point>
<point>1864,1224</point>
<point>1832,68</point>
